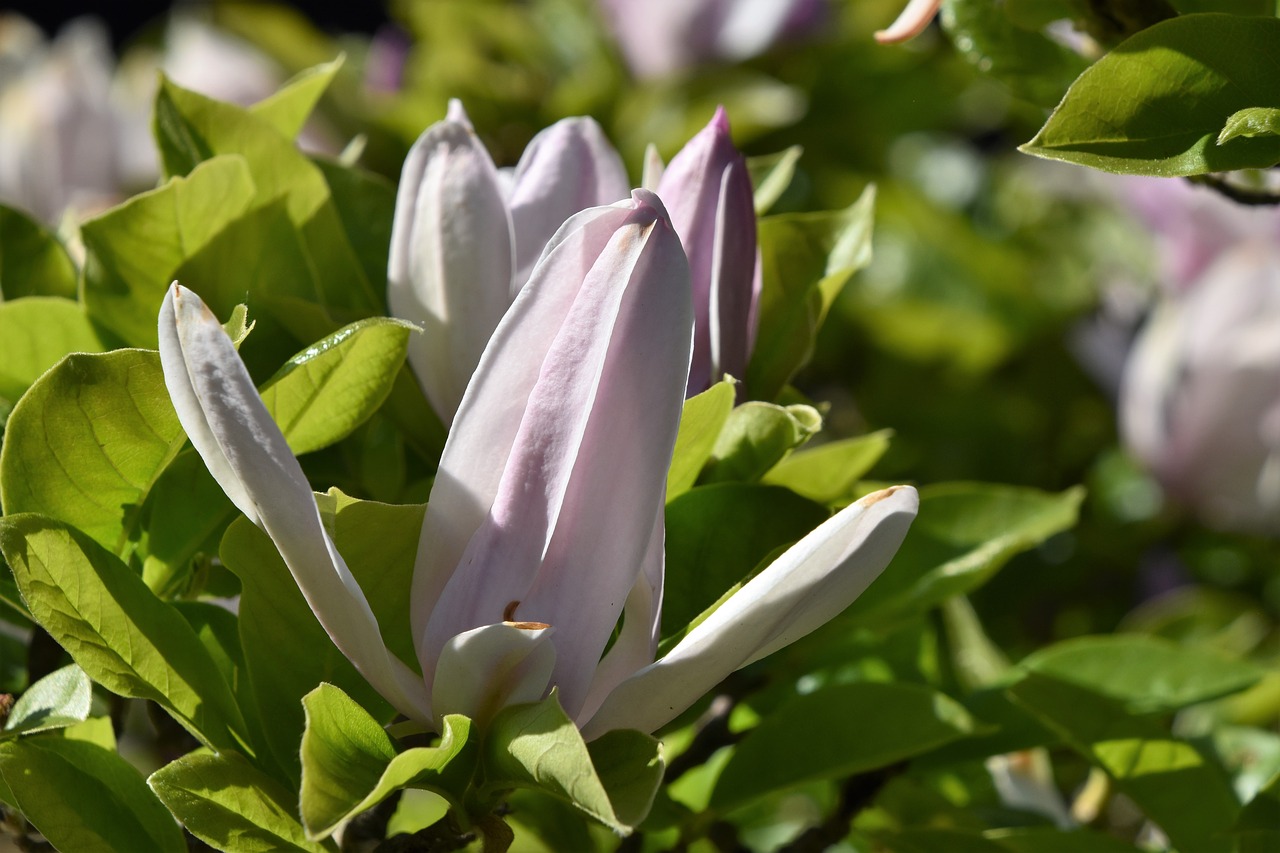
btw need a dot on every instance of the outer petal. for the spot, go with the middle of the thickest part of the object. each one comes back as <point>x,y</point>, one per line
<point>482,670</point>
<point>451,257</point>
<point>808,585</point>
<point>579,392</point>
<point>219,407</point>
<point>914,20</point>
<point>567,167</point>
<point>709,193</point>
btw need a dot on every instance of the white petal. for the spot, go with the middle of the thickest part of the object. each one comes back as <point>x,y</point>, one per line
<point>914,20</point>
<point>807,586</point>
<point>217,402</point>
<point>486,668</point>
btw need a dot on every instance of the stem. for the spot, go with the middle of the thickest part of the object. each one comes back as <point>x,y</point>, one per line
<point>1240,195</point>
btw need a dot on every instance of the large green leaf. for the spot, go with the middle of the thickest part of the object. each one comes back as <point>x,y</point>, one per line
<point>1156,104</point>
<point>838,731</point>
<point>32,261</point>
<point>288,109</point>
<point>35,333</point>
<point>287,652</point>
<point>1146,674</point>
<point>87,442</point>
<point>185,515</point>
<point>1171,780</point>
<point>964,534</point>
<point>229,805</point>
<point>716,536</point>
<point>613,779</point>
<point>350,764</point>
<point>58,700</point>
<point>806,259</point>
<point>830,473</point>
<point>334,385</point>
<point>84,798</point>
<point>115,628</point>
<point>703,418</point>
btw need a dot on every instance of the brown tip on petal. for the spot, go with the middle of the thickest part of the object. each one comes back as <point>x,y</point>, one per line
<point>509,612</point>
<point>529,626</point>
<point>876,497</point>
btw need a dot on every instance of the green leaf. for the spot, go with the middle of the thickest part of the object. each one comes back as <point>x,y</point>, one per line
<point>229,805</point>
<point>85,798</point>
<point>829,473</point>
<point>35,332</point>
<point>366,203</point>
<point>1041,839</point>
<point>964,534</point>
<point>1251,123</point>
<point>771,175</point>
<point>756,437</point>
<point>863,726</point>
<point>1178,787</point>
<point>287,652</point>
<point>718,534</point>
<point>124,637</point>
<point>1258,828</point>
<point>32,260</point>
<point>613,780</point>
<point>1032,65</point>
<point>324,392</point>
<point>1147,674</point>
<point>134,251</point>
<point>703,418</point>
<point>289,108</point>
<point>806,260</point>
<point>185,514</point>
<point>350,764</point>
<point>1182,82</point>
<point>191,128</point>
<point>59,699</point>
<point>914,840</point>
<point>87,442</point>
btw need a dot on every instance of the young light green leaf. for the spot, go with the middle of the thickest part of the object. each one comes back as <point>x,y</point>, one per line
<point>806,260</point>
<point>701,422</point>
<point>35,332</point>
<point>32,260</point>
<point>59,699</point>
<point>84,798</point>
<point>124,637</point>
<point>1171,780</point>
<point>229,805</point>
<point>771,175</point>
<point>288,109</point>
<point>1258,121</point>
<point>1146,674</point>
<point>87,442</point>
<point>334,385</point>
<point>863,726</point>
<point>755,437</point>
<point>1206,64</point>
<point>135,251</point>
<point>718,534</point>
<point>538,746</point>
<point>964,534</point>
<point>350,764</point>
<point>829,473</point>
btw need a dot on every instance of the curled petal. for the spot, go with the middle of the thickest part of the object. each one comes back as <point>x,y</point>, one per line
<point>221,411</point>
<point>578,391</point>
<point>566,168</point>
<point>811,583</point>
<point>451,256</point>
<point>914,20</point>
<point>482,670</point>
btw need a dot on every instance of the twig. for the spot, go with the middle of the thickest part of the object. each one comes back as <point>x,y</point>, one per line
<point>1240,195</point>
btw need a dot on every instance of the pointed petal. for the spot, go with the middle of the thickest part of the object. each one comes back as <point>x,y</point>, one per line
<point>244,449</point>
<point>451,256</point>
<point>708,191</point>
<point>482,670</point>
<point>559,537</point>
<point>914,20</point>
<point>653,168</point>
<point>566,168</point>
<point>811,583</point>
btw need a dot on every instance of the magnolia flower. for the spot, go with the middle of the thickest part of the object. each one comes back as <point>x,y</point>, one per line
<point>545,522</point>
<point>1200,396</point>
<point>913,20</point>
<point>464,239</point>
<point>659,38</point>
<point>708,191</point>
